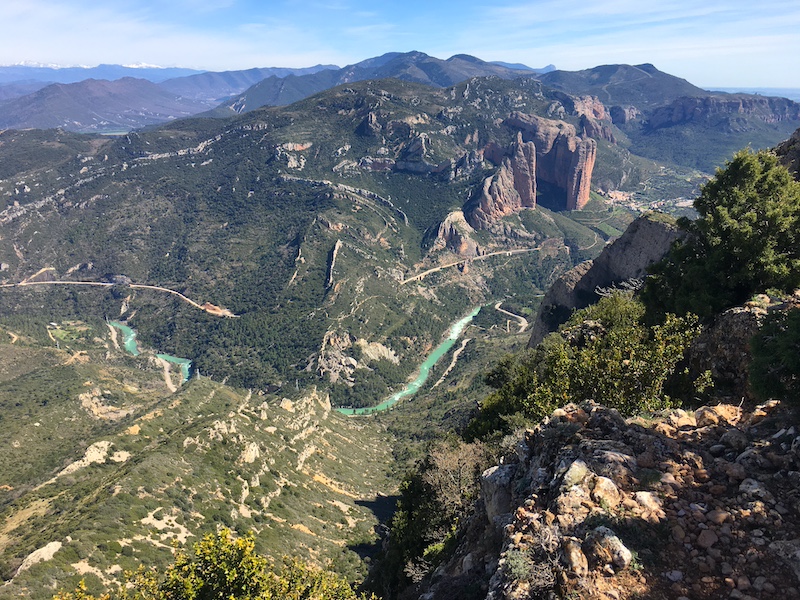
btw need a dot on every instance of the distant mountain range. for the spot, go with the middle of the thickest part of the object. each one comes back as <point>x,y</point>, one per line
<point>114,99</point>
<point>15,73</point>
<point>176,93</point>
<point>97,105</point>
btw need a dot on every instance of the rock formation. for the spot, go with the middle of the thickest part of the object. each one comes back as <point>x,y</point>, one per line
<point>645,241</point>
<point>685,110</point>
<point>597,129</point>
<point>509,190</point>
<point>789,154</point>
<point>455,233</point>
<point>701,504</point>
<point>622,115</point>
<point>562,157</point>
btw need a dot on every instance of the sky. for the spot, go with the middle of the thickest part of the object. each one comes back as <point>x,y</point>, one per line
<point>711,43</point>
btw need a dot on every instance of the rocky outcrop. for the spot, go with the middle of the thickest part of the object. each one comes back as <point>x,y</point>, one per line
<point>622,115</point>
<point>702,504</point>
<point>370,126</point>
<point>645,241</point>
<point>562,157</point>
<point>686,110</point>
<point>723,348</point>
<point>789,154</point>
<point>596,129</point>
<point>455,233</point>
<point>510,189</point>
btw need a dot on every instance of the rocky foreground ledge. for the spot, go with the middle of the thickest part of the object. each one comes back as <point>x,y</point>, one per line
<point>588,505</point>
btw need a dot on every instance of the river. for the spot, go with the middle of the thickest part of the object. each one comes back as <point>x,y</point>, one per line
<point>424,371</point>
<point>129,342</point>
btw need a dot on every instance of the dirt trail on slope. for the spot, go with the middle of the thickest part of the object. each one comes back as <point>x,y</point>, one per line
<point>420,276</point>
<point>211,309</point>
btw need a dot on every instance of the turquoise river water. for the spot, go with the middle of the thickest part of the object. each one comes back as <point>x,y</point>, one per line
<point>129,342</point>
<point>424,371</point>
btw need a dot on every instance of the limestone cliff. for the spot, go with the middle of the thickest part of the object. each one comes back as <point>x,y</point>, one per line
<point>510,189</point>
<point>562,157</point>
<point>645,241</point>
<point>685,110</point>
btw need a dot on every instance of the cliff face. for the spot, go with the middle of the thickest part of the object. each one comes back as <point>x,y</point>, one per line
<point>645,241</point>
<point>563,158</point>
<point>684,110</point>
<point>789,154</point>
<point>509,190</point>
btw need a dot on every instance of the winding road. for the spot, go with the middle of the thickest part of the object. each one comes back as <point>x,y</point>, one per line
<point>211,309</point>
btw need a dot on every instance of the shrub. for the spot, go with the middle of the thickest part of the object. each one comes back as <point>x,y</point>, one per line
<point>603,353</point>
<point>223,567</point>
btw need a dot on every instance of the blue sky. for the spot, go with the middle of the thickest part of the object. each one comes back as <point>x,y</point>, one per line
<point>712,43</point>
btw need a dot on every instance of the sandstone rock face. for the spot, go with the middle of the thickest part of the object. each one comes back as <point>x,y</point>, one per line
<point>509,190</point>
<point>563,158</point>
<point>591,107</point>
<point>454,233</point>
<point>645,241</point>
<point>596,129</point>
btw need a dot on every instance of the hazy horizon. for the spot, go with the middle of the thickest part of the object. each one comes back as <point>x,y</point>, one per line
<point>720,43</point>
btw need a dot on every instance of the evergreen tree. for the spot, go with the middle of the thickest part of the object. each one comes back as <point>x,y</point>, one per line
<point>746,240</point>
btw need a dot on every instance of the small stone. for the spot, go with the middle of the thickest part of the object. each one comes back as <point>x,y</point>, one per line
<point>726,568</point>
<point>707,538</point>
<point>674,576</point>
<point>605,492</point>
<point>717,449</point>
<point>718,517</point>
<point>733,438</point>
<point>648,501</point>
<point>574,556</point>
<point>678,534</point>
<point>743,583</point>
<point>759,583</point>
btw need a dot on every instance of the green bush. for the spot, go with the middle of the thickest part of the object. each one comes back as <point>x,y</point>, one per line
<point>603,353</point>
<point>223,567</point>
<point>746,240</point>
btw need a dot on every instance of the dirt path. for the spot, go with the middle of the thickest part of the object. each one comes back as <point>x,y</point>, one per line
<point>521,321</point>
<point>113,335</point>
<point>419,276</point>
<point>211,309</point>
<point>453,361</point>
<point>167,376</point>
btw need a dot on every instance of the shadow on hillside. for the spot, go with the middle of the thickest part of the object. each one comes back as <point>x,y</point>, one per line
<point>383,508</point>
